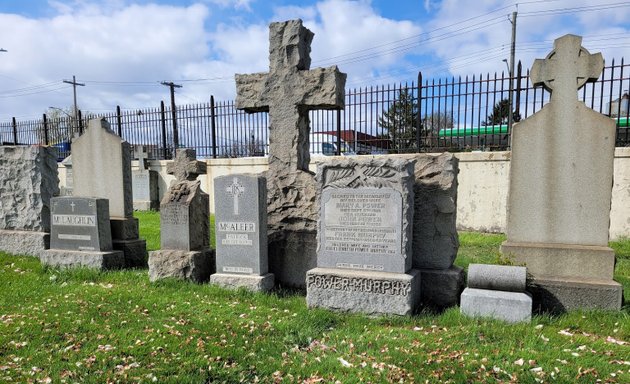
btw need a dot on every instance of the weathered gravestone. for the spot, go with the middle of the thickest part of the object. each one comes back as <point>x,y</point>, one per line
<point>145,183</point>
<point>81,235</point>
<point>240,203</point>
<point>288,92</point>
<point>28,180</point>
<point>561,180</point>
<point>435,240</point>
<point>102,168</point>
<point>184,224</point>
<point>67,189</point>
<point>364,253</point>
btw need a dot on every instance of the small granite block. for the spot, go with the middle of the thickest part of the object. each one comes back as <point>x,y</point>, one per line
<point>124,228</point>
<point>24,242</point>
<point>441,288</point>
<point>512,307</point>
<point>560,295</point>
<point>372,293</point>
<point>497,277</point>
<point>135,252</point>
<point>71,259</point>
<point>195,266</point>
<point>253,283</point>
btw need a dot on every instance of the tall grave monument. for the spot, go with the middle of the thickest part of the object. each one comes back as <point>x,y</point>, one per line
<point>560,192</point>
<point>102,168</point>
<point>184,224</point>
<point>288,92</point>
<point>28,181</point>
<point>145,183</point>
<point>240,203</point>
<point>364,247</point>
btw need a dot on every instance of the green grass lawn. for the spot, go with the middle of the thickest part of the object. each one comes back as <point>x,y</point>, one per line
<point>84,326</point>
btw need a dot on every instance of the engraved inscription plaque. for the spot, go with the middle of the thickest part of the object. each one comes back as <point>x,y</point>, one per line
<point>361,228</point>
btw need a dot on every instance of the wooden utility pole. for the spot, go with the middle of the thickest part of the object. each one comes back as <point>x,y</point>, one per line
<point>172,86</point>
<point>74,91</point>
<point>512,54</point>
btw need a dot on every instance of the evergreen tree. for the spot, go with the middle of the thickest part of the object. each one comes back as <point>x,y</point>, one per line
<point>401,120</point>
<point>500,113</point>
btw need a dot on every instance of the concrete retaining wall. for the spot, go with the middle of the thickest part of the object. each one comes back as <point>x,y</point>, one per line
<point>482,191</point>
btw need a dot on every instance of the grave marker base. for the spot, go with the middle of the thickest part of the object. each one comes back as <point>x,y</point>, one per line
<point>557,295</point>
<point>372,293</point>
<point>252,283</point>
<point>135,252</point>
<point>71,259</point>
<point>24,242</point>
<point>195,266</point>
<point>441,288</point>
<point>512,307</point>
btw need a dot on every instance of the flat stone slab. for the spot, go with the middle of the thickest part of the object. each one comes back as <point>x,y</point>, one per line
<point>72,259</point>
<point>562,260</point>
<point>254,283</point>
<point>557,295</point>
<point>441,288</point>
<point>24,242</point>
<point>512,307</point>
<point>497,277</point>
<point>196,266</point>
<point>372,293</point>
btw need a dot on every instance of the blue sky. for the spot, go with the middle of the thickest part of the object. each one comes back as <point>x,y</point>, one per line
<point>122,49</point>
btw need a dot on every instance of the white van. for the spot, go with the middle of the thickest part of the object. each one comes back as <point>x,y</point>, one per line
<point>324,144</point>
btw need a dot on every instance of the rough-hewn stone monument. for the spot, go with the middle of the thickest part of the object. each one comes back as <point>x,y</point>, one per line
<point>81,235</point>
<point>102,168</point>
<point>27,183</point>
<point>364,247</point>
<point>288,91</point>
<point>184,224</point>
<point>240,216</point>
<point>561,180</point>
<point>435,241</point>
<point>145,183</point>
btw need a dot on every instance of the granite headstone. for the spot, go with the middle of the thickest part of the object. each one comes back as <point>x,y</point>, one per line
<point>145,183</point>
<point>364,261</point>
<point>28,180</point>
<point>101,162</point>
<point>184,225</point>
<point>81,234</point>
<point>241,232</point>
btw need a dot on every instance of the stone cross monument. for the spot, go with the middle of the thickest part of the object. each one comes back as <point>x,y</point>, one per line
<point>184,224</point>
<point>560,192</point>
<point>288,92</point>
<point>145,183</point>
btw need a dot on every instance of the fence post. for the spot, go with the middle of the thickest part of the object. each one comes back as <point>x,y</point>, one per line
<point>338,151</point>
<point>80,117</point>
<point>213,126</point>
<point>45,122</point>
<point>119,120</point>
<point>163,121</point>
<point>15,140</point>
<point>419,117</point>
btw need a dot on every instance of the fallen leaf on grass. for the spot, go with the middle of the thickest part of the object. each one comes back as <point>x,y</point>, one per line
<point>615,341</point>
<point>519,362</point>
<point>564,332</point>
<point>344,362</point>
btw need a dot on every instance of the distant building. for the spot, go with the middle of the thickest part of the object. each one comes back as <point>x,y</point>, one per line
<point>619,107</point>
<point>359,142</point>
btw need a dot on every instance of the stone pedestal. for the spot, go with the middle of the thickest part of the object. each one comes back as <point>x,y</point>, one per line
<point>255,283</point>
<point>24,242</point>
<point>441,288</point>
<point>195,266</point>
<point>372,293</point>
<point>125,238</point>
<point>558,295</point>
<point>62,258</point>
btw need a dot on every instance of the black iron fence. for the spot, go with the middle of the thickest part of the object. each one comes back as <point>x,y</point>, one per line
<point>456,114</point>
